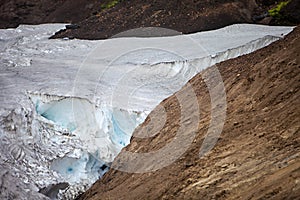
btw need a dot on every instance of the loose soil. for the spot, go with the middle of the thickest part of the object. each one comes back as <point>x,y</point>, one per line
<point>95,20</point>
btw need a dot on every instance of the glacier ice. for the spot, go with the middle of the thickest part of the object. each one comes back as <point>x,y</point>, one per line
<point>69,106</point>
<point>75,170</point>
<point>103,129</point>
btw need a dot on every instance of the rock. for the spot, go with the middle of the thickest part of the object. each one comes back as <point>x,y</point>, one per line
<point>72,26</point>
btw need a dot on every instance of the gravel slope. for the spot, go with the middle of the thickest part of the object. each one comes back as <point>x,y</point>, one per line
<point>98,19</point>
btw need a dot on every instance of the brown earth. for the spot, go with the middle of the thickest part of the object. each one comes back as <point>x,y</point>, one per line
<point>258,153</point>
<point>13,13</point>
<point>184,16</point>
<point>97,21</point>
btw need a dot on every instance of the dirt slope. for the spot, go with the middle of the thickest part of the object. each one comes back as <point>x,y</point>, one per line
<point>186,16</point>
<point>98,19</point>
<point>183,15</point>
<point>258,153</point>
<point>13,13</point>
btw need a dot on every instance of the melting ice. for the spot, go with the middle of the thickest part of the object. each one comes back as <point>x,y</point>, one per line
<point>69,106</point>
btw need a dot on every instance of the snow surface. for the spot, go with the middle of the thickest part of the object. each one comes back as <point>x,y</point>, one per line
<point>69,106</point>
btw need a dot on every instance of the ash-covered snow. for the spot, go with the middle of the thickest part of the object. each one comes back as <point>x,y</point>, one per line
<point>69,106</point>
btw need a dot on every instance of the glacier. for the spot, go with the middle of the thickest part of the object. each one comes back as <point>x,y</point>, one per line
<point>68,107</point>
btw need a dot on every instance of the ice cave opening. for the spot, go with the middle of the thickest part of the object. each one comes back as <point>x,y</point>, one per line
<point>103,131</point>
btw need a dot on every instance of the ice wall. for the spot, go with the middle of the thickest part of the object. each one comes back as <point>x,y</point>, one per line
<point>103,129</point>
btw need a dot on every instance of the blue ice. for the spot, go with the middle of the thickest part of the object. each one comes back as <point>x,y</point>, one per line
<point>119,136</point>
<point>73,169</point>
<point>60,112</point>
